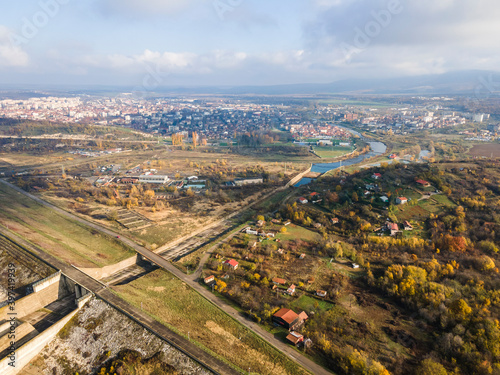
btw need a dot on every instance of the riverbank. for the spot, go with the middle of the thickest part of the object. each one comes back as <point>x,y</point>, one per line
<point>376,149</point>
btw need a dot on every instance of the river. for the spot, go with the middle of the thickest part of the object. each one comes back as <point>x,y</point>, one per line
<point>377,148</point>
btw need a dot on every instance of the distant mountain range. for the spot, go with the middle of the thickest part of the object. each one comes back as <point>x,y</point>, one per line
<point>467,83</point>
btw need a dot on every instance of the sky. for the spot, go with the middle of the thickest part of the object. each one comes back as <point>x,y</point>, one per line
<point>154,43</point>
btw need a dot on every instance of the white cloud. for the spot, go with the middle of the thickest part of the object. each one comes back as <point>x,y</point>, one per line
<point>135,7</point>
<point>164,62</point>
<point>427,36</point>
<point>11,55</point>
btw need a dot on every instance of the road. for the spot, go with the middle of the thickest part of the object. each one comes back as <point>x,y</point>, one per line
<point>190,243</point>
<point>76,138</point>
<point>163,263</point>
<point>203,236</point>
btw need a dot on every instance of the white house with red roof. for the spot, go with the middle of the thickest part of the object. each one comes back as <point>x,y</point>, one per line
<point>232,264</point>
<point>291,290</point>
<point>393,228</point>
<point>401,200</point>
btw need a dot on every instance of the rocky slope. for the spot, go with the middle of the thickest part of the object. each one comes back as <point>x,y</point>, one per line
<point>98,336</point>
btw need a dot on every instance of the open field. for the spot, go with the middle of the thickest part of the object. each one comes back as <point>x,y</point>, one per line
<point>294,231</point>
<point>174,304</point>
<point>355,102</point>
<point>9,161</point>
<point>61,237</point>
<point>486,150</point>
<point>436,204</point>
<point>331,152</point>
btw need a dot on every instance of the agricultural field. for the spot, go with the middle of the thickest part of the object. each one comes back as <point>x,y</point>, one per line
<point>182,309</point>
<point>486,150</point>
<point>18,161</point>
<point>58,235</point>
<point>436,203</point>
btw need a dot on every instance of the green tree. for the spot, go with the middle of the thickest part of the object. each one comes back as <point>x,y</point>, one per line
<point>460,309</point>
<point>429,367</point>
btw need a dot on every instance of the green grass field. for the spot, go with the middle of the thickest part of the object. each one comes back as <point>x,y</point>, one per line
<point>66,239</point>
<point>173,303</point>
<point>331,152</point>
<point>444,200</point>
<point>307,303</point>
<point>436,204</point>
<point>294,231</point>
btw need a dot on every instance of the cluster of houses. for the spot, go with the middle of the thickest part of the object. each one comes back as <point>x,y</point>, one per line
<point>230,264</point>
<point>393,228</point>
<point>292,321</point>
<point>259,232</point>
<point>399,200</point>
<point>284,317</point>
<point>314,197</point>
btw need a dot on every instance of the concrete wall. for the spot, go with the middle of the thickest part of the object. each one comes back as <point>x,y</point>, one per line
<point>21,331</point>
<point>83,300</point>
<point>102,273</point>
<point>32,302</point>
<point>44,283</point>
<point>28,351</point>
<point>299,177</point>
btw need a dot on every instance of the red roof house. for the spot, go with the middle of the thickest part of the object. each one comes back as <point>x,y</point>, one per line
<point>209,279</point>
<point>279,281</point>
<point>295,338</point>
<point>401,200</point>
<point>423,183</point>
<point>302,200</point>
<point>231,263</point>
<point>393,228</point>
<point>303,316</point>
<point>291,290</point>
<point>287,318</point>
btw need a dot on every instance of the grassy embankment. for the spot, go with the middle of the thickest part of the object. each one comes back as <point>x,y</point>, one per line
<point>182,309</point>
<point>63,238</point>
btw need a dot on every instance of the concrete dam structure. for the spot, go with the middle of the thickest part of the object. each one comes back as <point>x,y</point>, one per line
<point>29,323</point>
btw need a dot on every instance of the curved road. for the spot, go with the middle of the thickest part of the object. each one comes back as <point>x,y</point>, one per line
<point>158,260</point>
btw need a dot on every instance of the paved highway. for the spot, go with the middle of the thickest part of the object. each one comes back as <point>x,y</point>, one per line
<point>161,262</point>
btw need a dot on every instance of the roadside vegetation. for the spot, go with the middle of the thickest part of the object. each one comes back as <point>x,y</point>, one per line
<point>182,309</point>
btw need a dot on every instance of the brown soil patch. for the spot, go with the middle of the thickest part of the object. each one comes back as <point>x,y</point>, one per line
<point>486,150</point>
